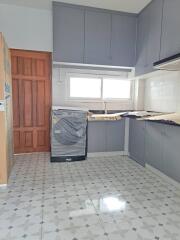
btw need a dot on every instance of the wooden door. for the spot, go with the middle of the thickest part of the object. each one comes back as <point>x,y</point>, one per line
<point>31,73</point>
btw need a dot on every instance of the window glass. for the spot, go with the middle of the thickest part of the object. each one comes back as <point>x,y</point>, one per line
<point>81,87</point>
<point>116,88</point>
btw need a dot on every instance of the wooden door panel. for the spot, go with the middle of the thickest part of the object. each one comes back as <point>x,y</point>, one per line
<point>16,109</point>
<point>27,70</point>
<point>17,139</point>
<point>14,65</point>
<point>41,107</point>
<point>27,103</point>
<point>28,139</point>
<point>31,100</point>
<point>41,138</point>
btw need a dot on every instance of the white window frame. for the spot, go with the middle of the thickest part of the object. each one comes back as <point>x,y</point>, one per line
<point>101,99</point>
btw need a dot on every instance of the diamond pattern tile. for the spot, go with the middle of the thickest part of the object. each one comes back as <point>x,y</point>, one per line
<point>102,198</point>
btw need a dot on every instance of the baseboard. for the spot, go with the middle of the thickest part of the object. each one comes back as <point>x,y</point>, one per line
<point>3,185</point>
<point>107,154</point>
<point>164,176</point>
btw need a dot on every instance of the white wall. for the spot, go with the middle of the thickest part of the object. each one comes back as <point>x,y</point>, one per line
<point>26,28</point>
<point>162,92</point>
<point>59,89</point>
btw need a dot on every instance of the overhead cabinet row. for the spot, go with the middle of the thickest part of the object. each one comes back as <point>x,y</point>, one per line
<point>93,36</point>
<point>158,34</point>
<point>102,37</point>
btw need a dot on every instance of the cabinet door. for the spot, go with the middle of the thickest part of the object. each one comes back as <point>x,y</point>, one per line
<point>97,37</point>
<point>172,152</point>
<point>97,136</point>
<point>68,34</point>
<point>149,37</point>
<point>137,141</point>
<point>142,39</point>
<point>123,40</point>
<point>170,43</point>
<point>115,135</point>
<point>154,144</point>
<point>155,10</point>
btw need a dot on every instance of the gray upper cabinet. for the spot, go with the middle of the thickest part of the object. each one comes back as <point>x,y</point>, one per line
<point>142,39</point>
<point>93,36</point>
<point>97,37</point>
<point>68,33</point>
<point>170,43</point>
<point>149,37</point>
<point>123,40</point>
<point>137,141</point>
<point>155,10</point>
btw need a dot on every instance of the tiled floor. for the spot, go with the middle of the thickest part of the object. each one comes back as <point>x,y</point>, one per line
<point>110,198</point>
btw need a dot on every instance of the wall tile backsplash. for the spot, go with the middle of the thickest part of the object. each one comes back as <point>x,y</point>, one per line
<point>162,92</point>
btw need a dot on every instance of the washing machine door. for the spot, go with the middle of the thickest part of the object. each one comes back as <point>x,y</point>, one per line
<point>69,130</point>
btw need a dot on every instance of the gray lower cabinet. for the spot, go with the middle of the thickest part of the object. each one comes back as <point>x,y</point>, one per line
<point>123,40</point>
<point>115,136</point>
<point>172,152</point>
<point>106,136</point>
<point>162,148</point>
<point>68,34</point>
<point>97,37</point>
<point>154,145</point>
<point>170,43</point>
<point>137,141</point>
<point>97,136</point>
<point>157,145</point>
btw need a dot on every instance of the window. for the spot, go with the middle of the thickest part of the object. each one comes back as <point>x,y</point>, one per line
<point>81,87</point>
<point>99,87</point>
<point>116,89</point>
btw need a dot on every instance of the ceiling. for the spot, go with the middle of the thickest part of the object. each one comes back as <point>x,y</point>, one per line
<point>133,6</point>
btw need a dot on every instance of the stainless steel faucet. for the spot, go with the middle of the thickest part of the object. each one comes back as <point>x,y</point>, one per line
<point>105,107</point>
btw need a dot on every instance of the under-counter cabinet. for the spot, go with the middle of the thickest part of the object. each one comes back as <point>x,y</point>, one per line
<point>115,135</point>
<point>68,33</point>
<point>97,136</point>
<point>106,136</point>
<point>171,153</point>
<point>137,141</point>
<point>162,148</point>
<point>170,43</point>
<point>154,145</point>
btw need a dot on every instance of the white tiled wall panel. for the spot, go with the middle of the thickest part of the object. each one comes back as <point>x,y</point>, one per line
<point>162,93</point>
